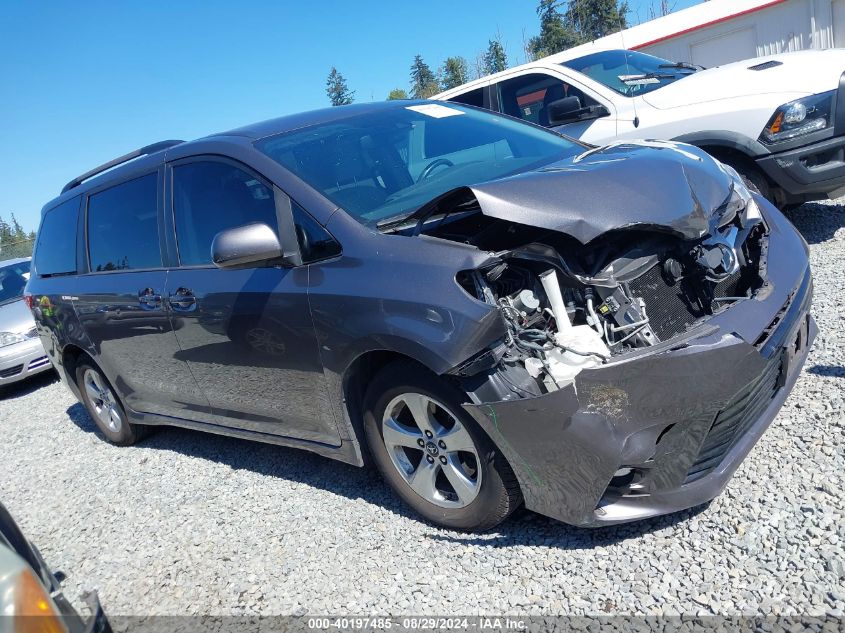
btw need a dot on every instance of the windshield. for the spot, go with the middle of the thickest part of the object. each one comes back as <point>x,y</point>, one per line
<point>388,163</point>
<point>628,72</point>
<point>13,278</point>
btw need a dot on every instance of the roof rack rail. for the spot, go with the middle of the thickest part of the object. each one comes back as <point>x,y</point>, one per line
<point>149,149</point>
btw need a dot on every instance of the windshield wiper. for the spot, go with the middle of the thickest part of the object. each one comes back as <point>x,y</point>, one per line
<point>683,66</point>
<point>634,79</point>
<point>397,220</point>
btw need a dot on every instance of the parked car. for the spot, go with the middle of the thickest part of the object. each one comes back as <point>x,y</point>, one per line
<point>779,120</point>
<point>31,595</point>
<point>490,311</point>
<point>21,353</point>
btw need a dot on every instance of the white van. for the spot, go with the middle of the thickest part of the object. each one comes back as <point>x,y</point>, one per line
<point>778,120</point>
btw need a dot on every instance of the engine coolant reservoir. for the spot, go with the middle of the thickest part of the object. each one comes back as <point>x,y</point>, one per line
<point>563,364</point>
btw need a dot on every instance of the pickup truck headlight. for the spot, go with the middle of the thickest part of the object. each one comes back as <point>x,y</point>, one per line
<point>799,117</point>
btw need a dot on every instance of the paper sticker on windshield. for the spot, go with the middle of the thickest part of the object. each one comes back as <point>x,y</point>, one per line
<point>638,80</point>
<point>434,110</point>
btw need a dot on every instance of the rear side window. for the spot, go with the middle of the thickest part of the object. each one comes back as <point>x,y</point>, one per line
<point>123,226</point>
<point>55,249</point>
<point>211,196</point>
<point>473,98</point>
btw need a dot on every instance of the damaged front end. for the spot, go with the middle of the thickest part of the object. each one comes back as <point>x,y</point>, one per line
<point>632,381</point>
<point>570,306</point>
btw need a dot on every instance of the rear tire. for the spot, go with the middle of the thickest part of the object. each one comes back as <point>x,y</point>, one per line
<point>433,454</point>
<point>104,406</point>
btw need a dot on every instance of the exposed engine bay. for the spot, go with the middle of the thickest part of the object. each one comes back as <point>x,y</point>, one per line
<point>570,306</point>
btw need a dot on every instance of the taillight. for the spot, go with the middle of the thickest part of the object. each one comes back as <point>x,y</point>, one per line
<point>27,298</point>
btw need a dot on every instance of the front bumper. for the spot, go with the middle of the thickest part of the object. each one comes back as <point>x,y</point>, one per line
<point>678,418</point>
<point>811,172</point>
<point>21,360</point>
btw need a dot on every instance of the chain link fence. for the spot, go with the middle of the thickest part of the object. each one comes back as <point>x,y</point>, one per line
<point>11,250</point>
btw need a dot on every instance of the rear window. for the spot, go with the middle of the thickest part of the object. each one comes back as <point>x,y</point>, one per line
<point>123,226</point>
<point>55,248</point>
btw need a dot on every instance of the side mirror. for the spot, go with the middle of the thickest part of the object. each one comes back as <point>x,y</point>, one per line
<point>570,110</point>
<point>245,245</point>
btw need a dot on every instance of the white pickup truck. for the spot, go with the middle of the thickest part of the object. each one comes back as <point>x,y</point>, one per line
<point>778,120</point>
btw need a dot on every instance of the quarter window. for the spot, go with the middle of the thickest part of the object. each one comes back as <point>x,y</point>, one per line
<point>123,226</point>
<point>211,196</point>
<point>527,97</point>
<point>315,242</point>
<point>473,98</point>
<point>55,249</point>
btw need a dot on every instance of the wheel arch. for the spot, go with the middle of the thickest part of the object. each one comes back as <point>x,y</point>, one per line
<point>72,355</point>
<point>354,381</point>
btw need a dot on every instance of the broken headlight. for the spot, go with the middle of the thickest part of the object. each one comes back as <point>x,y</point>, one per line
<point>800,117</point>
<point>740,202</point>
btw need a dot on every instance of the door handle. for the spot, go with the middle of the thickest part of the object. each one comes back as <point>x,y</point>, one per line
<point>149,298</point>
<point>182,300</point>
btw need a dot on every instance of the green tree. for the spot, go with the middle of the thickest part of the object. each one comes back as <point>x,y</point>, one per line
<point>495,59</point>
<point>397,93</point>
<point>454,72</point>
<point>5,231</point>
<point>337,90</point>
<point>593,19</point>
<point>423,82</point>
<point>555,33</point>
<point>580,21</point>
<point>17,230</point>
<point>14,240</point>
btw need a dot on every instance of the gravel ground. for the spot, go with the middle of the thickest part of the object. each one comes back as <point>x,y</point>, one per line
<point>189,523</point>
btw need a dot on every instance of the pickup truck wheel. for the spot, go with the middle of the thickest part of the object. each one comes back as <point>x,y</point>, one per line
<point>104,406</point>
<point>433,454</point>
<point>753,179</point>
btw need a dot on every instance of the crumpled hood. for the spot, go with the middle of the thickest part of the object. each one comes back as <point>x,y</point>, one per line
<point>671,187</point>
<point>798,74</point>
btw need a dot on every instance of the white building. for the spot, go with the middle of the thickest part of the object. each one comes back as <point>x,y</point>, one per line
<point>721,31</point>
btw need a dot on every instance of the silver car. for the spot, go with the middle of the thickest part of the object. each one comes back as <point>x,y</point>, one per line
<point>21,352</point>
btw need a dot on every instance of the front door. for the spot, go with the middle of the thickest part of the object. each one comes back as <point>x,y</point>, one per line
<point>119,303</point>
<point>527,96</point>
<point>246,334</point>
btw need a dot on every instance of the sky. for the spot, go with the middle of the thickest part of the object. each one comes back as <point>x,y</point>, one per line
<point>84,82</point>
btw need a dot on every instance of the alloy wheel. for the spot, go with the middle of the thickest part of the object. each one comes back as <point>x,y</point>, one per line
<point>103,401</point>
<point>432,450</point>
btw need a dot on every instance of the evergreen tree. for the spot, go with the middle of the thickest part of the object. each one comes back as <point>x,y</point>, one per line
<point>495,59</point>
<point>397,93</point>
<point>423,82</point>
<point>5,231</point>
<point>593,19</point>
<point>17,230</point>
<point>555,34</point>
<point>454,72</point>
<point>337,90</point>
<point>581,21</point>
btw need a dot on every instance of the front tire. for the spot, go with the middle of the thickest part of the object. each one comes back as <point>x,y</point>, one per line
<point>105,407</point>
<point>433,454</point>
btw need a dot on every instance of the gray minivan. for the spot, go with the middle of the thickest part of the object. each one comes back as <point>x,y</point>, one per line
<point>490,312</point>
